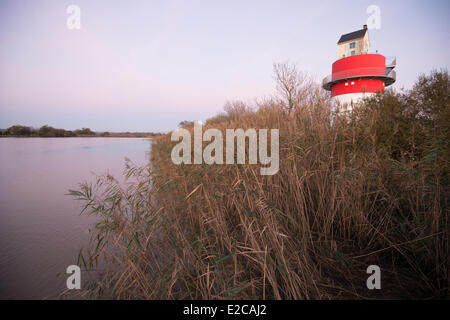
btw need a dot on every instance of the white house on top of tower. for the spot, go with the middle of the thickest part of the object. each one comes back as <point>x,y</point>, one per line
<point>354,43</point>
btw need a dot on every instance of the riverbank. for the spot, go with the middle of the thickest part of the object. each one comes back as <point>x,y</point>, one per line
<point>354,190</point>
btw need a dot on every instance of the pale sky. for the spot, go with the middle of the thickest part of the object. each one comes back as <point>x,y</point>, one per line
<point>147,65</point>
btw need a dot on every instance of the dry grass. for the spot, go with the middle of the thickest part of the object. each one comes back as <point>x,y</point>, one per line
<point>343,199</point>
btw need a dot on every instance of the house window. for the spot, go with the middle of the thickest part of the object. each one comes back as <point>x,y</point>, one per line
<point>353,45</point>
<point>353,53</point>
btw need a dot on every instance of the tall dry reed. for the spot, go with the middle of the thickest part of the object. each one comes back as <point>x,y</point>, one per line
<point>369,187</point>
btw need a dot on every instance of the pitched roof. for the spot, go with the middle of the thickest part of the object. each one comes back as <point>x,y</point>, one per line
<point>352,35</point>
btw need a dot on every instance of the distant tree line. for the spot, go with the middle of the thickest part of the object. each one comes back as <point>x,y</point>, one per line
<point>45,131</point>
<point>48,131</point>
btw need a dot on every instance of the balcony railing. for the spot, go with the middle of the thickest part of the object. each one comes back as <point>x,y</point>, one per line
<point>385,73</point>
<point>391,77</point>
<point>391,62</point>
<point>326,81</point>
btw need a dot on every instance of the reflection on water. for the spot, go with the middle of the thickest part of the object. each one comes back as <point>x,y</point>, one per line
<point>41,230</point>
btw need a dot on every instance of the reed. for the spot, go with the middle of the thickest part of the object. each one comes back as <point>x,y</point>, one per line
<point>370,187</point>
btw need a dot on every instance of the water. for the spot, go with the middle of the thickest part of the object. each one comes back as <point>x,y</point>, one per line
<point>41,230</point>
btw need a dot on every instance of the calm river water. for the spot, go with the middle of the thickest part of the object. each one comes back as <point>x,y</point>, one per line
<point>41,230</point>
